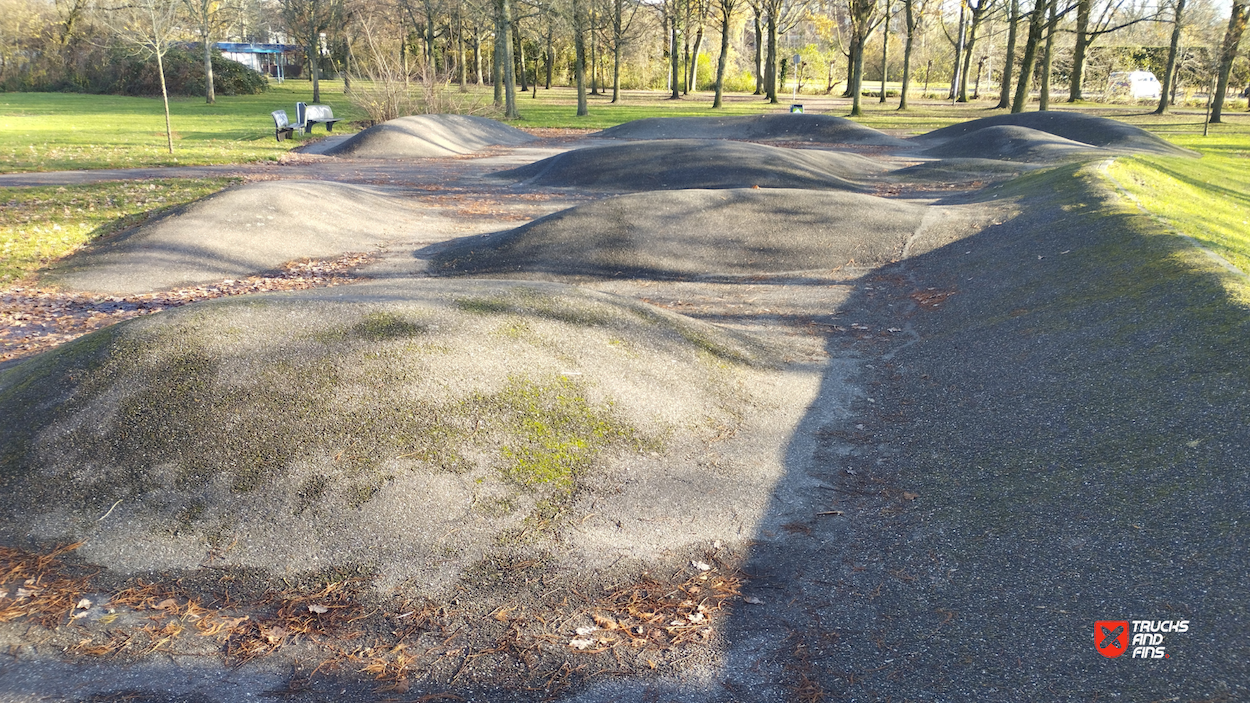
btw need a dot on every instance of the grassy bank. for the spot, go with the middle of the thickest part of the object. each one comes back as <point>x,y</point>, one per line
<point>1207,199</point>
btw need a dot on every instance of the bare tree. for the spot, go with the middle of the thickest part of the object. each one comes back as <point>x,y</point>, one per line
<point>151,28</point>
<point>307,20</point>
<point>1228,53</point>
<point>210,18</point>
<point>1009,61</point>
<point>726,9</point>
<point>913,13</point>
<point>864,18</point>
<point>1178,15</point>
<point>978,11</point>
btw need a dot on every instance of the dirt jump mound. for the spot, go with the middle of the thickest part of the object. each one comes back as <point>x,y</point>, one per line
<point>1012,143</point>
<point>411,428</point>
<point>1087,129</point>
<point>677,164</point>
<point>800,127</point>
<point>692,233</point>
<point>429,135</point>
<point>239,232</point>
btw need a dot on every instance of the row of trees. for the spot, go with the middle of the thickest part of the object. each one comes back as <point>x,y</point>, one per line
<point>1024,47</point>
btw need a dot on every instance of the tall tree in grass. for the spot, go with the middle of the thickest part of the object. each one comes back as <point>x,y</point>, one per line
<point>151,28</point>
<point>580,20</point>
<point>623,13</point>
<point>1009,61</point>
<point>864,17</point>
<point>978,11</point>
<point>913,15</point>
<point>1228,53</point>
<point>726,10</point>
<point>211,18</point>
<point>1037,24</point>
<point>307,20</point>
<point>1178,15</point>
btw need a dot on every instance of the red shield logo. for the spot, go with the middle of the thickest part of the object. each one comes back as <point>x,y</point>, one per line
<point>1111,637</point>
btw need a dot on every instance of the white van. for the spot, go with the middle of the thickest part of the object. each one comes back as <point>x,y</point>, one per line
<point>1137,85</point>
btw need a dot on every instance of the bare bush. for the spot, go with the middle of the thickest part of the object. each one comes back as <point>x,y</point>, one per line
<point>386,88</point>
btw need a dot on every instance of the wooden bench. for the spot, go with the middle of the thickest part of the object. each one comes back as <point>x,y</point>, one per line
<point>310,115</point>
<point>281,125</point>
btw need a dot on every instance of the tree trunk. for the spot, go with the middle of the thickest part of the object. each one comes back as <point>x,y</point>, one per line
<point>1079,49</point>
<point>692,69</point>
<point>594,57</point>
<point>477,57</point>
<point>857,72</point>
<point>885,50</point>
<point>674,58</point>
<point>1028,62</point>
<point>1169,76</point>
<point>907,46</point>
<point>759,54</point>
<point>497,57</point>
<point>1009,61</point>
<point>314,51</point>
<point>770,70</point>
<point>210,96</point>
<point>1048,53</point>
<point>169,131</point>
<point>509,73</point>
<point>959,52</point>
<point>726,18</point>
<point>551,58</point>
<point>460,57</point>
<point>579,59</point>
<point>520,50</point>
<point>1232,39</point>
<point>969,48</point>
<point>618,39</point>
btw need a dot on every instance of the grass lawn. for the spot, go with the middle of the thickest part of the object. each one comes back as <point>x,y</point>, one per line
<point>67,131</point>
<point>40,225</point>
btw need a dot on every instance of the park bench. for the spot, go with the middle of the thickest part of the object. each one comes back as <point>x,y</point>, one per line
<point>281,125</point>
<point>310,115</point>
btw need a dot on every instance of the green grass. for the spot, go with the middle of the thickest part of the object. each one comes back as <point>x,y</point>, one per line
<point>67,131</point>
<point>40,225</point>
<point>1207,199</point>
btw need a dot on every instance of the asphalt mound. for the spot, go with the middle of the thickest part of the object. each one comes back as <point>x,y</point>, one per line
<point>678,164</point>
<point>423,136</point>
<point>412,428</point>
<point>1012,143</point>
<point>236,233</point>
<point>1087,129</point>
<point>800,127</point>
<point>692,233</point>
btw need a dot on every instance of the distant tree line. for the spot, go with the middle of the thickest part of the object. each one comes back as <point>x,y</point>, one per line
<point>411,55</point>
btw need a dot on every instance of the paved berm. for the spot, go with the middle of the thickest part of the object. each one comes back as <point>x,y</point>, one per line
<point>645,418</point>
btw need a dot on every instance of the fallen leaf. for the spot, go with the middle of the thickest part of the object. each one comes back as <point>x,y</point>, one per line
<point>753,600</point>
<point>605,623</point>
<point>167,604</point>
<point>908,495</point>
<point>701,566</point>
<point>586,630</point>
<point>318,609</point>
<point>83,604</point>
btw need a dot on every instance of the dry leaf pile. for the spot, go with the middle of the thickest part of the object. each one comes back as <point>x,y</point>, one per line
<point>393,642</point>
